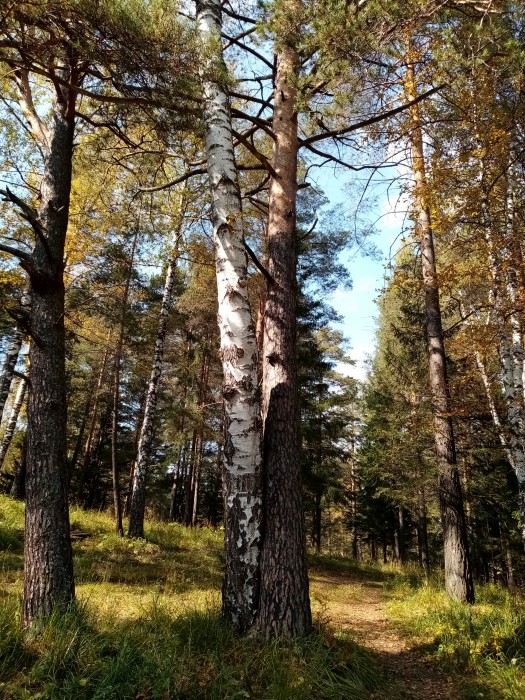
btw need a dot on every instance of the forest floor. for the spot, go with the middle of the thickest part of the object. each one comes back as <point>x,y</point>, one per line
<point>148,627</point>
<point>361,608</point>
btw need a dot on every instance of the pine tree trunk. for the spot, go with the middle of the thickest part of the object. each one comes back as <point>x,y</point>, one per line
<point>242,426</point>
<point>48,563</point>
<point>138,493</point>
<point>285,604</point>
<point>13,419</point>
<point>458,572</point>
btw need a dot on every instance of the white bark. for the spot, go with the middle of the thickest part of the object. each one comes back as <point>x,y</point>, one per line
<point>13,418</point>
<point>242,430</point>
<point>138,493</point>
<point>8,368</point>
<point>510,349</point>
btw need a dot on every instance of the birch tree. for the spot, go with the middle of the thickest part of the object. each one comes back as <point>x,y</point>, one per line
<point>145,443</point>
<point>242,426</point>
<point>13,419</point>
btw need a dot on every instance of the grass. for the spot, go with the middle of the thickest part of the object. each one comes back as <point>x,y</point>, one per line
<point>147,627</point>
<point>483,644</point>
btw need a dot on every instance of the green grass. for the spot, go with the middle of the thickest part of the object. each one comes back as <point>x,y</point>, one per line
<point>483,644</point>
<point>147,627</point>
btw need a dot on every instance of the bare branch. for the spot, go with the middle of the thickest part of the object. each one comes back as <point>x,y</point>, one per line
<point>25,98</point>
<point>262,159</point>
<point>258,265</point>
<point>20,254</point>
<point>371,120</point>
<point>261,123</point>
<point>176,181</point>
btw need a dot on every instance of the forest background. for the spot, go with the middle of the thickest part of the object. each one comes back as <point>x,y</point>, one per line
<point>129,147</point>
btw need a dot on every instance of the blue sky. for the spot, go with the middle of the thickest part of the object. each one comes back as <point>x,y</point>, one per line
<point>357,306</point>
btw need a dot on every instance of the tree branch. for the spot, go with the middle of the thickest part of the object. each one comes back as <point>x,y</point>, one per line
<point>262,159</point>
<point>258,265</point>
<point>371,120</point>
<point>20,254</point>
<point>25,98</point>
<point>176,181</point>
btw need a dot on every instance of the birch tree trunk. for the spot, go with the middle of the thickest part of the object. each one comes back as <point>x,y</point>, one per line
<point>242,484</point>
<point>508,326</point>
<point>285,604</point>
<point>8,368</point>
<point>117,504</point>
<point>138,492</point>
<point>458,571</point>
<point>13,419</point>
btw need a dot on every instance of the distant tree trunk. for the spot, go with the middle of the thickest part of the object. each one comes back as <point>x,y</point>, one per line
<point>197,479</point>
<point>458,572</point>
<point>80,437</point>
<point>285,603</point>
<point>508,326</point>
<point>422,531</point>
<point>138,493</point>
<point>242,425</point>
<point>189,481</point>
<point>117,504</point>
<point>92,425</point>
<point>353,503</point>
<point>373,548</point>
<point>14,346</point>
<point>18,487</point>
<point>507,554</point>
<point>317,519</point>
<point>177,480</point>
<point>133,464</point>
<point>13,418</point>
<point>102,437</point>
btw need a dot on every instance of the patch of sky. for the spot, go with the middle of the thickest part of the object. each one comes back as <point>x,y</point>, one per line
<point>382,212</point>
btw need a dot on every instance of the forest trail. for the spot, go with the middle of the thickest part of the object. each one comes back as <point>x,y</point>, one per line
<point>360,607</point>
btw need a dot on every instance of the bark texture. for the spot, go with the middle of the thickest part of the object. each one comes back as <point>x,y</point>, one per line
<point>285,604</point>
<point>138,493</point>
<point>458,571</point>
<point>48,566</point>
<point>242,482</point>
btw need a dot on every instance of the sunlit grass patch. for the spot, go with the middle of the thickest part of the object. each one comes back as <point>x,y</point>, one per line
<point>484,642</point>
<point>147,626</point>
<point>185,655</point>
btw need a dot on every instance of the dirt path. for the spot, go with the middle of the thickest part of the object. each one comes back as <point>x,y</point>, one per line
<point>364,614</point>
